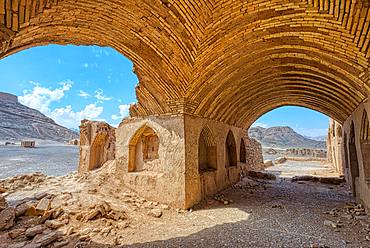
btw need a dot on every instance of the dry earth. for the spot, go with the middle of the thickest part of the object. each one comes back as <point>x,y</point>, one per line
<point>97,211</point>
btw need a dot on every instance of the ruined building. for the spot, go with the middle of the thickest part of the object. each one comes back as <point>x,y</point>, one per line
<point>208,69</point>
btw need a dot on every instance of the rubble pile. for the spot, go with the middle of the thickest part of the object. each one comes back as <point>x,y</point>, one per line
<point>324,180</point>
<point>352,214</point>
<point>28,182</point>
<point>261,175</point>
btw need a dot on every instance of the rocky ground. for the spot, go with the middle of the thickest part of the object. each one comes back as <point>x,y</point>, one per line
<point>96,210</point>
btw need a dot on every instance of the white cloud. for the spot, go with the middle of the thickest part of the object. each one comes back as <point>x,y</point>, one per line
<point>67,117</point>
<point>40,97</point>
<point>85,65</point>
<point>83,94</point>
<point>260,124</point>
<point>123,111</point>
<point>99,94</point>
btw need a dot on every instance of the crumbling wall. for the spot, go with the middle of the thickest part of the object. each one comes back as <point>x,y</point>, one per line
<point>97,145</point>
<point>254,154</point>
<point>334,146</point>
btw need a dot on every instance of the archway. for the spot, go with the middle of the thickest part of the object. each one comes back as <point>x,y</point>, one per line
<point>207,151</point>
<point>365,145</point>
<point>230,151</point>
<point>353,161</point>
<point>243,152</point>
<point>97,149</point>
<point>144,151</point>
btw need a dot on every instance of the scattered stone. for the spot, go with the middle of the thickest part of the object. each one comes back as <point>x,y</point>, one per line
<point>90,215</point>
<point>7,217</point>
<point>324,180</point>
<point>43,205</point>
<point>46,239</point>
<point>328,223</point>
<point>3,204</point>
<point>18,245</point>
<point>280,160</point>
<point>21,209</point>
<point>261,175</point>
<point>33,231</point>
<point>268,163</point>
<point>60,244</point>
<point>156,212</point>
<point>54,224</point>
<point>41,195</point>
<point>16,233</point>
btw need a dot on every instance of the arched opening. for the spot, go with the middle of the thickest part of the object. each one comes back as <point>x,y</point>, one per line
<point>80,82</point>
<point>365,145</point>
<point>353,161</point>
<point>207,152</point>
<point>144,151</point>
<point>243,152</point>
<point>97,152</point>
<point>230,149</point>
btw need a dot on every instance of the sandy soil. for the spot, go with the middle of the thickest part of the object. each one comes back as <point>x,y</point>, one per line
<point>260,213</point>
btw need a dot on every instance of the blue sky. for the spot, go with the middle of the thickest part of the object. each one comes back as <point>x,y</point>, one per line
<point>69,83</point>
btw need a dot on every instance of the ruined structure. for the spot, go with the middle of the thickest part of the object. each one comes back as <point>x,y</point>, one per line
<point>208,69</point>
<point>97,145</point>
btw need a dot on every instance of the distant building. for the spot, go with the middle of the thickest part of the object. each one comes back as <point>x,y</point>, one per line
<point>28,144</point>
<point>74,142</point>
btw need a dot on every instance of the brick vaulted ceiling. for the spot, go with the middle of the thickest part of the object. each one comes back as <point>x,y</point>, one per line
<point>227,60</point>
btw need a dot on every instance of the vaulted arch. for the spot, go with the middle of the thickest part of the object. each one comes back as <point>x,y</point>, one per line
<point>229,61</point>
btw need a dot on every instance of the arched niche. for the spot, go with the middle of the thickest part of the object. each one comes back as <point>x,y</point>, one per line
<point>243,152</point>
<point>144,151</point>
<point>230,151</point>
<point>365,145</point>
<point>353,161</point>
<point>207,151</point>
<point>97,156</point>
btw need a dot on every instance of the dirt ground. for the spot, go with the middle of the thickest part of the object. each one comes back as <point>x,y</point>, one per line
<point>258,213</point>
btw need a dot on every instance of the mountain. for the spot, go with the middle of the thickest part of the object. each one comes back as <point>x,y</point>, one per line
<point>21,122</point>
<point>283,137</point>
<point>318,138</point>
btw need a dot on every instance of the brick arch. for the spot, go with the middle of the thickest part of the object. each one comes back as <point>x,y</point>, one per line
<point>224,60</point>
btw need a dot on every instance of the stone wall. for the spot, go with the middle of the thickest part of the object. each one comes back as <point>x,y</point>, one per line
<point>334,146</point>
<point>178,159</point>
<point>307,152</point>
<point>254,154</point>
<point>97,145</point>
<point>165,181</point>
<point>355,152</point>
<point>201,184</point>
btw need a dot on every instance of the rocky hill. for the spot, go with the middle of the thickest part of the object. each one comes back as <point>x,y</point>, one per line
<point>21,122</point>
<point>283,137</point>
